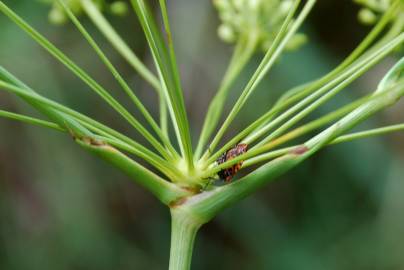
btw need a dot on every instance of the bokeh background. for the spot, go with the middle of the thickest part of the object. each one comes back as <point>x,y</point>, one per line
<point>62,208</point>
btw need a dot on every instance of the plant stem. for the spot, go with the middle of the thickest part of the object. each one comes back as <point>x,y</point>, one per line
<point>31,120</point>
<point>127,53</point>
<point>285,34</point>
<point>241,56</point>
<point>183,231</point>
<point>126,88</point>
<point>118,43</point>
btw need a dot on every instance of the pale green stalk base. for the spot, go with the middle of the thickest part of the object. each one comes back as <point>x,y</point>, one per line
<point>183,233</point>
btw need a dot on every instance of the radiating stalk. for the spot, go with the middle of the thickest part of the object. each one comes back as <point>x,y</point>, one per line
<point>169,78</point>
<point>89,124</point>
<point>342,139</point>
<point>31,120</point>
<point>284,35</point>
<point>242,54</point>
<point>118,43</point>
<point>120,80</point>
<point>80,73</point>
<point>369,133</point>
<point>127,53</point>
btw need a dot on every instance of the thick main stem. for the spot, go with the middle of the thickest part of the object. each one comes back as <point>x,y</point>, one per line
<point>183,232</point>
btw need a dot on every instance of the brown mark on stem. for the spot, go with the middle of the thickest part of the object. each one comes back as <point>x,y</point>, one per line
<point>92,141</point>
<point>182,200</point>
<point>177,202</point>
<point>169,38</point>
<point>299,150</point>
<point>85,139</point>
<point>193,190</point>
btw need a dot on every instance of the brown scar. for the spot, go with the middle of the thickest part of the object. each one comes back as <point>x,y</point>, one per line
<point>96,142</point>
<point>194,190</point>
<point>299,150</point>
<point>72,134</point>
<point>169,38</point>
<point>178,202</point>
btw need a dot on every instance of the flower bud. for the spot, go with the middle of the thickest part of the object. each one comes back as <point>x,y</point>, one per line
<point>260,18</point>
<point>119,8</point>
<point>57,14</point>
<point>367,16</point>
<point>373,9</point>
<point>226,33</point>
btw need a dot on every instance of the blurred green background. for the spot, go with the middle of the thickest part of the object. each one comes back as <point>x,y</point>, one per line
<point>61,208</point>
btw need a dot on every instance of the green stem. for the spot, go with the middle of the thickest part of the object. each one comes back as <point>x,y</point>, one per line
<point>346,78</point>
<point>276,141</point>
<point>170,79</point>
<point>303,91</point>
<point>241,56</point>
<point>85,77</point>
<point>86,122</point>
<point>31,120</point>
<point>284,35</point>
<point>118,43</point>
<point>165,191</point>
<point>342,139</point>
<point>208,204</point>
<point>163,116</point>
<point>183,232</point>
<point>369,133</point>
<point>355,54</point>
<point>120,80</point>
<point>126,52</point>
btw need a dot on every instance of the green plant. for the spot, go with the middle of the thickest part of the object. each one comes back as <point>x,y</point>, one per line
<point>189,186</point>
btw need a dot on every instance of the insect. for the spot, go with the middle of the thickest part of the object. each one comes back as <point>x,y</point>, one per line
<point>228,173</point>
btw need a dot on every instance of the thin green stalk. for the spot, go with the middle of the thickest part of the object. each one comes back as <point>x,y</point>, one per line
<point>91,124</point>
<point>127,53</point>
<point>369,133</point>
<point>55,116</point>
<point>284,35</point>
<point>293,134</point>
<point>205,206</point>
<point>358,51</point>
<point>390,80</point>
<point>162,165</point>
<point>170,42</point>
<point>118,43</point>
<point>119,79</point>
<point>165,191</point>
<point>31,120</point>
<point>163,115</point>
<point>170,82</point>
<point>177,79</point>
<point>46,44</point>
<point>388,85</point>
<point>346,77</point>
<point>242,54</point>
<point>303,91</point>
<point>271,155</point>
<point>342,139</point>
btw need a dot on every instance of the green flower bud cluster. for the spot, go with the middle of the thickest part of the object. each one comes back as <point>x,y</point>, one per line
<point>261,19</point>
<point>373,9</point>
<point>58,16</point>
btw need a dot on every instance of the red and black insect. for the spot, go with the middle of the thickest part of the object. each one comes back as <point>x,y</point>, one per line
<point>228,173</point>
